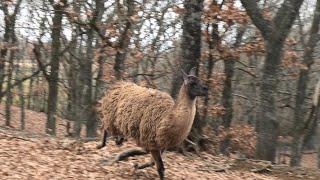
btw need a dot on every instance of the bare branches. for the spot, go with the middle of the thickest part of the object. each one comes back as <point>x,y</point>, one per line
<point>285,16</point>
<point>17,82</point>
<point>281,23</point>
<point>314,37</point>
<point>257,18</point>
<point>246,71</point>
<point>42,67</point>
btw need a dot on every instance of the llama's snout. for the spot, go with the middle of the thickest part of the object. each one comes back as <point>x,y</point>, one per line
<point>205,90</point>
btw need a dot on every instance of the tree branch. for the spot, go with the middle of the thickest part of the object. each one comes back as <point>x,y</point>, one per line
<point>257,18</point>
<point>17,82</point>
<point>40,64</point>
<point>246,71</point>
<point>285,16</point>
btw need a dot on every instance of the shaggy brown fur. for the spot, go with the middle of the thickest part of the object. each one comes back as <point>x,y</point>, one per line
<point>148,116</point>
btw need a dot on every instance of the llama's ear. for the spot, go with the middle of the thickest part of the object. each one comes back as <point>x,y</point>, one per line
<point>185,76</point>
<point>193,71</point>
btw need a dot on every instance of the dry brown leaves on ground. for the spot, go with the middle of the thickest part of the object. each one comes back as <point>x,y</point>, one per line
<point>30,154</point>
<point>24,157</point>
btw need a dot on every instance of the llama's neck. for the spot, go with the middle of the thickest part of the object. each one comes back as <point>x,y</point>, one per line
<point>174,129</point>
<point>184,110</point>
<point>184,99</point>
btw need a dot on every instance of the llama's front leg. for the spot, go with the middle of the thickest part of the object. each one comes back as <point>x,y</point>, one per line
<point>104,140</point>
<point>156,155</point>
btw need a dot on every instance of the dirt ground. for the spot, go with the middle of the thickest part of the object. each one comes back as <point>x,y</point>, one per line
<point>30,154</point>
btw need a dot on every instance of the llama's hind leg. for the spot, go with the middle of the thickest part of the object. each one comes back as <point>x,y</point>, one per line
<point>104,140</point>
<point>156,154</point>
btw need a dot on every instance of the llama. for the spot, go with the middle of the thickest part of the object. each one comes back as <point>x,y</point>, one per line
<point>151,117</point>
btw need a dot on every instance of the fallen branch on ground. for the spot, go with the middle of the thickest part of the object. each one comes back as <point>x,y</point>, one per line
<point>125,154</point>
<point>129,153</point>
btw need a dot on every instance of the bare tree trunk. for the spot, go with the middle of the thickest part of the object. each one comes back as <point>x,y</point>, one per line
<point>73,73</point>
<point>21,98</point>
<point>4,50</point>
<point>318,155</point>
<point>212,42</point>
<point>89,95</point>
<point>253,93</point>
<point>43,107</point>
<point>35,96</point>
<point>267,124</point>
<point>10,39</point>
<point>22,106</point>
<point>86,74</point>
<point>74,96</point>
<point>30,98</point>
<point>9,89</point>
<point>296,149</point>
<point>227,97</point>
<point>190,54</point>
<point>316,110</point>
<point>3,54</point>
<point>124,41</point>
<point>318,129</point>
<point>274,33</point>
<point>2,70</point>
<point>190,43</point>
<point>21,94</point>
<point>54,65</point>
<point>30,91</point>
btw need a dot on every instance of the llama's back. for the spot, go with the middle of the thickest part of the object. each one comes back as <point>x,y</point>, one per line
<point>134,111</point>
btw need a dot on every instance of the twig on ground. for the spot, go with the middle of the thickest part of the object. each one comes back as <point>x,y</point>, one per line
<point>129,153</point>
<point>125,154</point>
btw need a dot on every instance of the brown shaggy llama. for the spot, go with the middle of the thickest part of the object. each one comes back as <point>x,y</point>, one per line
<point>151,117</point>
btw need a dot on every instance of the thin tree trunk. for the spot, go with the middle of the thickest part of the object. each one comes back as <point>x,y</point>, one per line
<point>35,96</point>
<point>54,65</point>
<point>253,93</point>
<point>124,41</point>
<point>3,52</point>
<point>212,42</point>
<point>10,39</point>
<point>87,88</point>
<point>21,98</point>
<point>227,97</point>
<point>318,138</point>
<point>30,92</point>
<point>9,90</point>
<point>90,94</point>
<point>296,149</point>
<point>22,106</point>
<point>44,104</point>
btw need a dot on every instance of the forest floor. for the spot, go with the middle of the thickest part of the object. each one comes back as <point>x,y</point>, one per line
<point>30,154</point>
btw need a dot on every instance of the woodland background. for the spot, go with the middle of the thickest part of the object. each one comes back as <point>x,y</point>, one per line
<point>260,60</point>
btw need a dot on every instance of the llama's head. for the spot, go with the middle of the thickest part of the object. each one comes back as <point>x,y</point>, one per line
<point>193,84</point>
